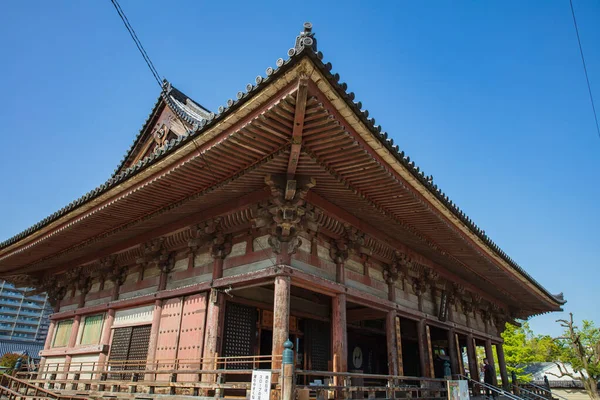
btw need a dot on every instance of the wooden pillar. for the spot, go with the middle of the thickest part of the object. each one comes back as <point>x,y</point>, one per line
<point>489,354</point>
<point>502,365</point>
<point>340,273</point>
<point>473,366</point>
<point>105,339</point>
<point>152,343</point>
<point>452,352</point>
<point>217,268</point>
<point>165,269</point>
<point>72,341</point>
<point>281,317</point>
<point>429,352</point>
<point>392,348</point>
<point>47,344</point>
<point>212,335</point>
<point>422,347</point>
<point>339,334</point>
<point>461,365</point>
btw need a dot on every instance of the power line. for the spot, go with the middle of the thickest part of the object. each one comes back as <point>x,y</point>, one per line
<point>587,79</point>
<point>137,41</point>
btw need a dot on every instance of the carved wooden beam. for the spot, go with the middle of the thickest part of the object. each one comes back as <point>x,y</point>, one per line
<point>298,127</point>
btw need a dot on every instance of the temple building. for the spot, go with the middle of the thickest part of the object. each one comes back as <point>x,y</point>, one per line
<point>286,214</point>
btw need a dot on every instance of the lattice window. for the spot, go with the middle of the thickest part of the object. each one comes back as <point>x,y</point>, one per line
<point>319,348</point>
<point>240,333</point>
<point>129,344</point>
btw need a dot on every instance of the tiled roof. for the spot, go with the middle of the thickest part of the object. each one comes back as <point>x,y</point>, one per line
<point>305,46</point>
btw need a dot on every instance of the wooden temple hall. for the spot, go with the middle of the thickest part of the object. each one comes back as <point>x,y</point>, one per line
<point>288,213</point>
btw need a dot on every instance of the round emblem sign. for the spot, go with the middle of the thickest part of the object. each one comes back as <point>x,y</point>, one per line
<point>357,357</point>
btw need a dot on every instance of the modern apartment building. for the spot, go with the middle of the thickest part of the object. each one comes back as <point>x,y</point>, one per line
<point>23,320</point>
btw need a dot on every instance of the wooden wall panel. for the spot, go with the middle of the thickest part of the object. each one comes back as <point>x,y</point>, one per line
<point>168,332</point>
<point>191,340</point>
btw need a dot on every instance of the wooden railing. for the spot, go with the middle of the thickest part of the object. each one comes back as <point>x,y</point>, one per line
<point>18,389</point>
<point>348,385</point>
<point>211,376</point>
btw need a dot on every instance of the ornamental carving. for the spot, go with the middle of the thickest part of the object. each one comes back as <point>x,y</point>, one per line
<point>398,269</point>
<point>55,288</point>
<point>287,212</point>
<point>212,231</point>
<point>150,251</point>
<point>166,261</point>
<point>350,241</point>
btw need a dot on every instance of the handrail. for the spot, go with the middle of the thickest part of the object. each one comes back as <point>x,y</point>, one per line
<point>529,392</point>
<point>372,376</point>
<point>545,389</point>
<point>493,388</point>
<point>37,389</point>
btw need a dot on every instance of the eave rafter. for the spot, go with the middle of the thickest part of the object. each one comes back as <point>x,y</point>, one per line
<point>299,115</point>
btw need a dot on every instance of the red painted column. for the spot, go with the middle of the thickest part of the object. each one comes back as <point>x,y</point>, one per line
<point>72,341</point>
<point>47,344</point>
<point>157,313</point>
<point>340,338</point>
<point>452,351</point>
<point>105,339</point>
<point>281,317</point>
<point>214,315</point>
<point>422,347</point>
<point>392,349</point>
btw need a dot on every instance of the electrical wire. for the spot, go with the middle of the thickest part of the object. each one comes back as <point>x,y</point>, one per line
<point>137,42</point>
<point>587,79</point>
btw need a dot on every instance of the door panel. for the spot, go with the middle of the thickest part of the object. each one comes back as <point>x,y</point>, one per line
<point>191,339</point>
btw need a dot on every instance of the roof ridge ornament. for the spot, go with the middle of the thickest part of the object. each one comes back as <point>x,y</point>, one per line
<point>306,38</point>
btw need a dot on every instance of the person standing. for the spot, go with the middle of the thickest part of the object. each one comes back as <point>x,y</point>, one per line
<point>488,377</point>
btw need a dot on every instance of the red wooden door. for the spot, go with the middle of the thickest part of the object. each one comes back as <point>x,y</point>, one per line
<point>191,339</point>
<point>168,333</point>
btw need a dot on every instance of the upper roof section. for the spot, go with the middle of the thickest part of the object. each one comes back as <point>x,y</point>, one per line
<point>186,109</point>
<point>195,121</point>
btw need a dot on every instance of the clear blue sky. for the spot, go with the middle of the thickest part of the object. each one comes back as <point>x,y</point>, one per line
<point>489,97</point>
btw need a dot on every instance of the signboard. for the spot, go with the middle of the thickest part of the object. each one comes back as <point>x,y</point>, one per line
<point>261,385</point>
<point>443,312</point>
<point>458,390</point>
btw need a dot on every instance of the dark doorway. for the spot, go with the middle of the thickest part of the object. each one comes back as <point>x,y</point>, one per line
<point>410,348</point>
<point>266,346</point>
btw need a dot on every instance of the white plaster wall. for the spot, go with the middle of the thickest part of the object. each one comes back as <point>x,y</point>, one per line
<point>84,362</point>
<point>132,316</point>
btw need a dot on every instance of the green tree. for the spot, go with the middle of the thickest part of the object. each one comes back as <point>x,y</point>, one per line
<point>579,347</point>
<point>9,360</point>
<point>518,349</point>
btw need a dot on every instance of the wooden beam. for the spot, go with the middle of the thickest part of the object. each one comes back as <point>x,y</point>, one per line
<point>344,216</point>
<point>241,203</point>
<point>139,180</point>
<point>364,314</point>
<point>298,127</point>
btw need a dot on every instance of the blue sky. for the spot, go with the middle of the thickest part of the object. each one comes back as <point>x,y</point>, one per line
<point>488,97</point>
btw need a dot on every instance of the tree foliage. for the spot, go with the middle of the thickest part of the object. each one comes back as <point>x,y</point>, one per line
<point>579,347</point>
<point>518,349</point>
<point>9,360</point>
